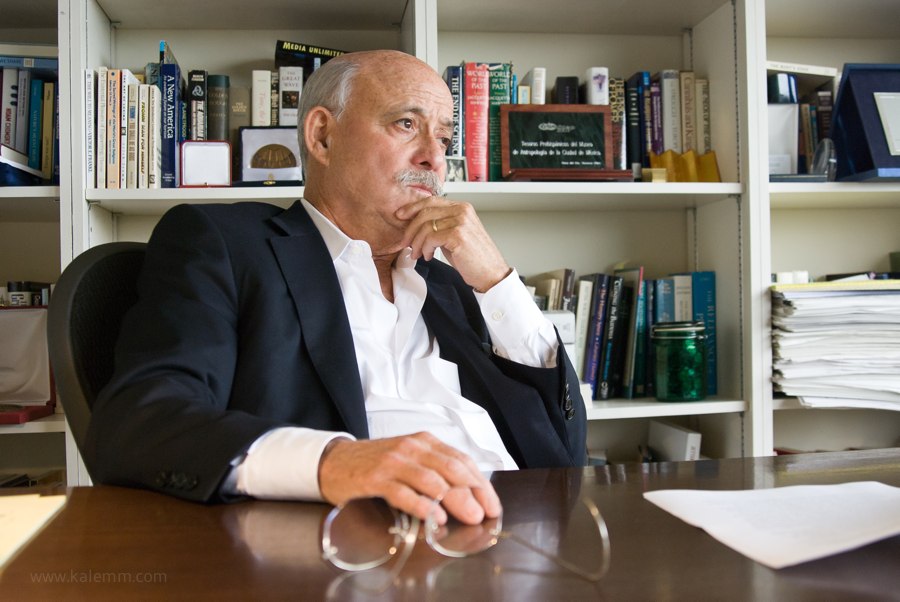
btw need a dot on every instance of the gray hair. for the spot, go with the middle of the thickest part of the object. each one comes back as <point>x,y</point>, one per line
<point>329,86</point>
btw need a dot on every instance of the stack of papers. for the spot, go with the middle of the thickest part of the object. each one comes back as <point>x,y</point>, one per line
<point>837,344</point>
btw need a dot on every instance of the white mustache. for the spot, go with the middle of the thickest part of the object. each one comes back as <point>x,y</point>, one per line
<point>427,178</point>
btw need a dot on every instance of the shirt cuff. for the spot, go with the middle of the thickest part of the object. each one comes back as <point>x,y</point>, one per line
<point>519,330</point>
<point>284,464</point>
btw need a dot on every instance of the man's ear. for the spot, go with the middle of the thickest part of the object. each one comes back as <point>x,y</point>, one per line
<point>317,130</point>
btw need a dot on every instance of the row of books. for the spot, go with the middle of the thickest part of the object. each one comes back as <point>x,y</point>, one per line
<point>29,109</point>
<point>650,113</point>
<point>614,315</point>
<point>137,119</point>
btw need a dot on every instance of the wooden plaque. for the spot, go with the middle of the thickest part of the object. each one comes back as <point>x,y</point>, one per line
<point>557,142</point>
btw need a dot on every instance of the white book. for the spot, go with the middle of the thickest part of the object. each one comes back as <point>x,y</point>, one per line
<point>143,136</point>
<point>261,98</point>
<point>682,293</point>
<point>290,86</point>
<point>128,79</point>
<point>523,95</point>
<point>702,115</point>
<point>670,98</point>
<point>8,115</point>
<point>687,81</point>
<point>90,125</point>
<point>536,79</point>
<point>674,443</point>
<point>596,86</point>
<point>582,318</point>
<point>102,93</point>
<point>154,129</point>
<point>23,101</point>
<point>131,139</point>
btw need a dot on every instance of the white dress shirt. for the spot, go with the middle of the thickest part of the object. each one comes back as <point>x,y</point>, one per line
<point>407,386</point>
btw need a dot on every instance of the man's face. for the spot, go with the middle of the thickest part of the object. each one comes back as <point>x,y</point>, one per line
<point>387,149</point>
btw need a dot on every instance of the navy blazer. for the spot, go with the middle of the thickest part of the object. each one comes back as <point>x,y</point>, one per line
<point>240,328</point>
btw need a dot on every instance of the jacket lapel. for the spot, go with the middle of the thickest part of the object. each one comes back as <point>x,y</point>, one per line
<point>309,272</point>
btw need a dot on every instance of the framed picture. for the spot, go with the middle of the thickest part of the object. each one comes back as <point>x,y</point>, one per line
<point>270,154</point>
<point>456,169</point>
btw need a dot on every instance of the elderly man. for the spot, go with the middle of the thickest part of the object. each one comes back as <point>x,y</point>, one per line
<point>320,352</point>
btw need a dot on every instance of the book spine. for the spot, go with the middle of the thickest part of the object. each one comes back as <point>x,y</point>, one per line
<point>40,63</point>
<point>596,86</point>
<point>633,279</point>
<point>704,310</point>
<point>596,329</point>
<point>35,106</point>
<point>686,86</point>
<point>639,373</point>
<point>500,94</point>
<point>634,138</point>
<point>290,85</point>
<point>132,141</point>
<point>273,98</point>
<point>154,168</point>
<point>128,80</point>
<point>612,338</point>
<point>565,92</point>
<point>171,124</point>
<point>649,350</point>
<point>238,117</point>
<point>670,97</point>
<point>197,98</point>
<point>656,119</point>
<point>475,107</point>
<point>582,318</point>
<point>663,300</point>
<point>47,130</point>
<point>617,122</point>
<point>217,91</point>
<point>55,118</point>
<point>8,103</point>
<point>702,119</point>
<point>143,137</point>
<point>23,98</point>
<point>453,77</point>
<point>682,287</point>
<point>100,119</point>
<point>113,125</point>
<point>536,79</point>
<point>260,98</point>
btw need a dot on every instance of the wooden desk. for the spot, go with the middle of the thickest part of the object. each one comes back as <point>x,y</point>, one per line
<point>112,543</point>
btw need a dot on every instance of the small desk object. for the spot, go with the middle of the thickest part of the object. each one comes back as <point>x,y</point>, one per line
<point>111,543</point>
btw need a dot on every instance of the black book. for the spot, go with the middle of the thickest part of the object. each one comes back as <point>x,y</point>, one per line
<point>565,92</point>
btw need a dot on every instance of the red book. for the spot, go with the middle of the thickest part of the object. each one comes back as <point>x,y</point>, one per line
<point>476,93</point>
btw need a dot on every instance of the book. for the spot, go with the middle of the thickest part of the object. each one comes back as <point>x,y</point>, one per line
<point>632,282</point>
<point>14,170</point>
<point>596,328</point>
<point>523,94</point>
<point>299,54</point>
<point>100,144</point>
<point>584,289</point>
<point>35,112</point>
<point>673,443</point>
<point>46,64</point>
<point>476,101</point>
<point>595,89</point>
<point>128,80</point>
<point>261,98</point>
<point>154,132</point>
<point>238,117</point>
<point>453,75</point>
<point>565,90</point>
<point>9,91</point>
<point>687,83</point>
<point>670,108</point>
<point>23,98</point>
<point>663,300</point>
<point>142,137</point>
<point>823,101</point>
<point>656,118</point>
<point>290,86</point>
<point>172,108</point>
<point>132,139</point>
<point>217,113</point>
<point>499,76</point>
<point>536,80</point>
<point>196,96</point>
<point>619,151</point>
<point>702,116</point>
<point>47,133</point>
<point>561,286</point>
<point>609,381</point>
<point>637,132</point>
<point>703,303</point>
<point>682,295</point>
<point>274,90</point>
<point>113,126</point>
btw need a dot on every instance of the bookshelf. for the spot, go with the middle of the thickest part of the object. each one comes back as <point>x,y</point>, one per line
<point>740,228</point>
<point>30,248</point>
<point>831,227</point>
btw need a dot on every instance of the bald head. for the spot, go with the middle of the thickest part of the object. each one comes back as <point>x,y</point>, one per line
<point>331,85</point>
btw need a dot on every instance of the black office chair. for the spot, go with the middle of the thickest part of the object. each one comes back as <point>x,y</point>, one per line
<point>86,309</point>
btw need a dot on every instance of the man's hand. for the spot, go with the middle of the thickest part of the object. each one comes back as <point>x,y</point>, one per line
<point>455,228</point>
<point>408,472</point>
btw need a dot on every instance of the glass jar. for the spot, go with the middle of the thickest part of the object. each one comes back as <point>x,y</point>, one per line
<point>680,351</point>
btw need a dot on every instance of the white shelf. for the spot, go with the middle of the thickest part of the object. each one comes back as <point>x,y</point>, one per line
<point>835,195</point>
<point>649,408</point>
<point>158,201</point>
<point>29,204</point>
<point>55,423</point>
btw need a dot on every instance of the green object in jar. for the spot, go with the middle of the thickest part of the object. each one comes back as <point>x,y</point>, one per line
<point>680,349</point>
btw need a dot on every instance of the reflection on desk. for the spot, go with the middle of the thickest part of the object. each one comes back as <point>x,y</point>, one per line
<point>110,543</point>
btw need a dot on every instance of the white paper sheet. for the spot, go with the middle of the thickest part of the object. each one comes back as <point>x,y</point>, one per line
<point>788,525</point>
<point>21,516</point>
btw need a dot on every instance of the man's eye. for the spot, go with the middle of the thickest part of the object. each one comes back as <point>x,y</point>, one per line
<point>445,142</point>
<point>406,123</point>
